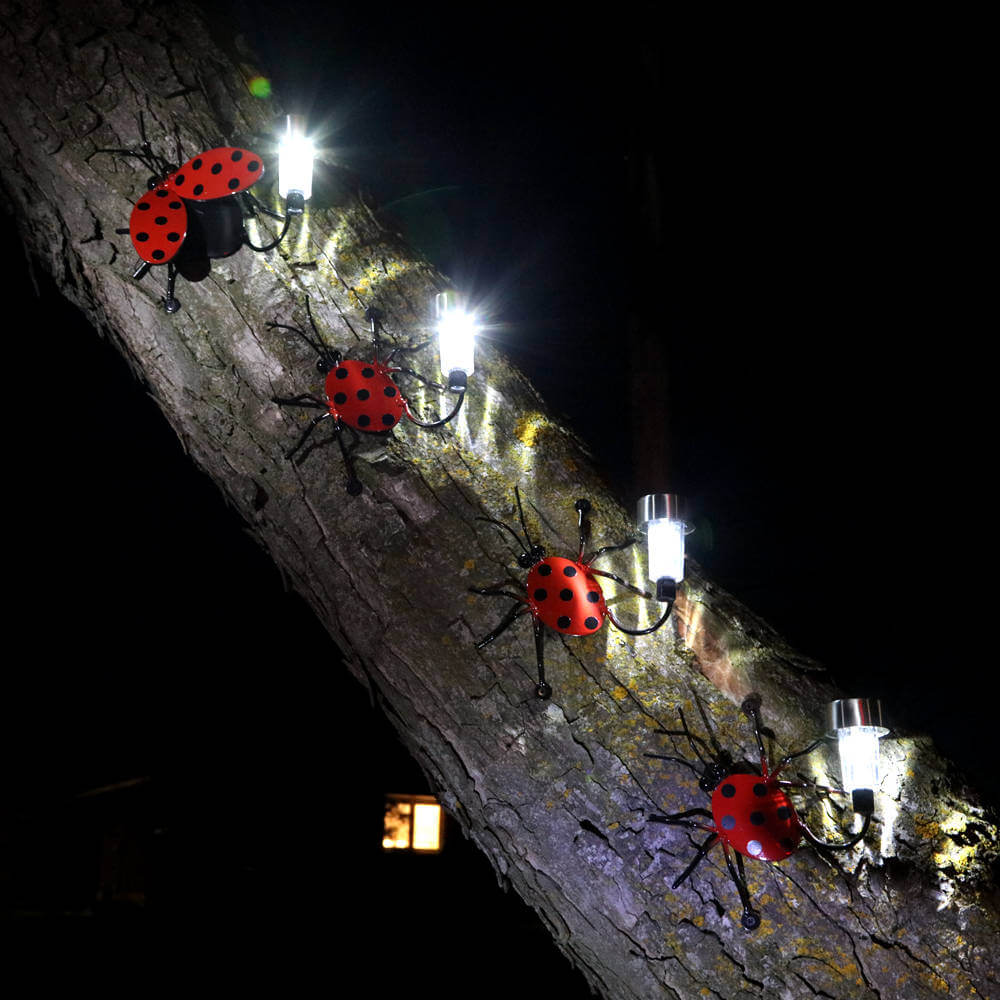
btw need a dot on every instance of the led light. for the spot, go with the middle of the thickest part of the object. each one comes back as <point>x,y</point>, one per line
<point>658,518</point>
<point>456,340</point>
<point>295,163</point>
<point>857,723</point>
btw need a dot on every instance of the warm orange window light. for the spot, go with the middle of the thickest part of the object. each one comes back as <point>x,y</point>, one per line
<point>412,823</point>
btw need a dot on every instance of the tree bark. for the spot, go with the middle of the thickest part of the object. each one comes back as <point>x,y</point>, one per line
<point>557,794</point>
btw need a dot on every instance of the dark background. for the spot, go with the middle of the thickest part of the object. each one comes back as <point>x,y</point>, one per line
<point>782,207</point>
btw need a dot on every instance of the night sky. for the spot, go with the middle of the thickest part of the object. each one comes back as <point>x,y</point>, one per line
<point>801,288</point>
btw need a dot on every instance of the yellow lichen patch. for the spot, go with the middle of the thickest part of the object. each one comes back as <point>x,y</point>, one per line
<point>619,693</point>
<point>470,563</point>
<point>613,826</point>
<point>527,429</point>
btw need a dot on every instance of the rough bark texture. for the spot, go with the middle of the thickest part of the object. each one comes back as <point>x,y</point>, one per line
<point>557,794</point>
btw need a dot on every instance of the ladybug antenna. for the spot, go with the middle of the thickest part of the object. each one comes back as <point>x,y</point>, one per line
<point>326,358</point>
<point>506,527</point>
<point>520,512</point>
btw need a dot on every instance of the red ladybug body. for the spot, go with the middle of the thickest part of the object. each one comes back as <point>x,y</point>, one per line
<point>364,396</point>
<point>565,595</point>
<point>755,817</point>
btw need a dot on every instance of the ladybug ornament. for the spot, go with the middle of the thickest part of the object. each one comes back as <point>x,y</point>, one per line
<point>358,396</point>
<point>561,594</point>
<point>193,214</point>
<point>751,813</point>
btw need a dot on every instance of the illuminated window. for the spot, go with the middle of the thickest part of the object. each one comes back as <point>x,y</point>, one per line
<point>412,823</point>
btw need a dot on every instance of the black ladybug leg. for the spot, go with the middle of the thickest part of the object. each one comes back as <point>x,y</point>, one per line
<point>543,689</point>
<point>416,375</point>
<point>508,619</point>
<point>676,760</point>
<point>798,753</point>
<point>353,483</point>
<point>406,350</point>
<point>305,434</point>
<point>750,918</point>
<point>497,591</point>
<point>698,858</point>
<point>303,399</point>
<point>607,548</point>
<point>619,580</point>
<point>681,819</point>
<point>170,304</point>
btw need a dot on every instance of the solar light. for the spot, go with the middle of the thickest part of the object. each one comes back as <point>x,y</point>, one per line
<point>857,724</point>
<point>295,165</point>
<point>456,340</point>
<point>412,823</point>
<point>658,518</point>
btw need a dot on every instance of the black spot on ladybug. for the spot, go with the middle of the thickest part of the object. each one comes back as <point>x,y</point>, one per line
<point>728,822</point>
<point>160,220</point>
<point>173,237</point>
<point>389,391</point>
<point>174,205</point>
<point>367,372</point>
<point>388,419</point>
<point>363,393</point>
<point>161,193</point>
<point>757,818</point>
<point>143,206</point>
<point>544,569</point>
<point>178,180</point>
<point>341,373</point>
<point>784,812</point>
<point>728,791</point>
<point>591,623</point>
<point>566,595</point>
<point>340,398</point>
<point>364,420</point>
<point>787,843</point>
<point>541,594</point>
<point>142,237</point>
<point>216,168</point>
<point>158,254</point>
<point>593,596</point>
<point>196,164</point>
<point>760,789</point>
<point>237,156</point>
<point>563,622</point>
<point>234,183</point>
<point>253,165</point>
<point>198,188</point>
<point>569,571</point>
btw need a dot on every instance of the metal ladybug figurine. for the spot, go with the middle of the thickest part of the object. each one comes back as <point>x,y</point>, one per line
<point>561,594</point>
<point>752,815</point>
<point>358,396</point>
<point>195,214</point>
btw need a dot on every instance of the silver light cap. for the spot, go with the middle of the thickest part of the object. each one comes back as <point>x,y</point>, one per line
<point>659,506</point>
<point>847,712</point>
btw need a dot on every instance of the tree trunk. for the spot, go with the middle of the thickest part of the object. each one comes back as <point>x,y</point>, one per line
<point>558,794</point>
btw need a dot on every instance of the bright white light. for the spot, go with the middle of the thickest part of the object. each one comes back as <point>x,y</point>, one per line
<point>426,827</point>
<point>665,545</point>
<point>295,160</point>
<point>859,762</point>
<point>456,335</point>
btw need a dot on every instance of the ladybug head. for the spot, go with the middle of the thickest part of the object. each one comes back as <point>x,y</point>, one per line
<point>327,361</point>
<point>531,557</point>
<point>720,767</point>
